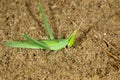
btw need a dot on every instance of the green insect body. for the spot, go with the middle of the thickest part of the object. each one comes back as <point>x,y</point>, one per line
<point>43,44</point>
<point>50,44</point>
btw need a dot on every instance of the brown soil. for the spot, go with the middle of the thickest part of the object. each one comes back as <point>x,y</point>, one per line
<point>95,55</point>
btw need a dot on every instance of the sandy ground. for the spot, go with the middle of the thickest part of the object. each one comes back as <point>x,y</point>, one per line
<point>95,55</point>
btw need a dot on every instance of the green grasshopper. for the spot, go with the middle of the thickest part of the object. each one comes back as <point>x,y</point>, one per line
<point>49,44</point>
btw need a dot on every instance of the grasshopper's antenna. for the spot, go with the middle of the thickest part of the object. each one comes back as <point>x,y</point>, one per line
<point>80,24</point>
<point>84,19</point>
